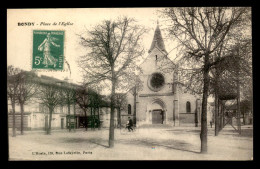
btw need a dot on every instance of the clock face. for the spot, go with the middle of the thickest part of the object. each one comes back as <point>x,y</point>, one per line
<point>156,81</point>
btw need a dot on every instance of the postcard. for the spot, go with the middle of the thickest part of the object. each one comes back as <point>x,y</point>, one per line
<point>169,83</point>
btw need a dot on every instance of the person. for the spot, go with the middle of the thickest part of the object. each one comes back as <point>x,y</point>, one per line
<point>129,124</point>
<point>45,46</point>
<point>210,123</point>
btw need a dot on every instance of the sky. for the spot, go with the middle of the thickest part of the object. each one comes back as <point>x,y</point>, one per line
<point>19,38</point>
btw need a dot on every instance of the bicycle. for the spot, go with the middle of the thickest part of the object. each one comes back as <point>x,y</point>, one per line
<point>124,130</point>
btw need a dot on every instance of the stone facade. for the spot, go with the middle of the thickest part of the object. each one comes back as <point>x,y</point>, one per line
<point>36,114</point>
<point>162,99</point>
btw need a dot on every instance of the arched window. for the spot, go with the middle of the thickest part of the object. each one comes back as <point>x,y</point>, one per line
<point>188,107</point>
<point>129,108</point>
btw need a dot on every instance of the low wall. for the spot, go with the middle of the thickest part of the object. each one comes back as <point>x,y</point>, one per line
<point>187,119</point>
<point>18,122</point>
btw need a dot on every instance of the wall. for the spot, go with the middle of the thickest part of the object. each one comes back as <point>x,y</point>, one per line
<point>187,119</point>
<point>147,96</point>
<point>167,95</point>
<point>184,97</point>
<point>150,66</point>
<point>105,117</point>
<point>26,124</point>
<point>35,112</point>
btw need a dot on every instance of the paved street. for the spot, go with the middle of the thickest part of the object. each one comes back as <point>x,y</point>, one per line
<point>179,143</point>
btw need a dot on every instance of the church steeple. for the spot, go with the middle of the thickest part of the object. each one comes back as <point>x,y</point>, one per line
<point>157,40</point>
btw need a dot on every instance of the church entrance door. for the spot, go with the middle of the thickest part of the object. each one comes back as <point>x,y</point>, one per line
<point>157,116</point>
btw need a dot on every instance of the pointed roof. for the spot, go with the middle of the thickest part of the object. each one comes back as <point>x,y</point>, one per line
<point>157,40</point>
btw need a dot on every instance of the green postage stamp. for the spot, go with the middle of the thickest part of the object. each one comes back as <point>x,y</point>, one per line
<point>48,49</point>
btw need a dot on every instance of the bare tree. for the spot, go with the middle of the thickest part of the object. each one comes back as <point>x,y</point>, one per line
<point>69,98</point>
<point>228,70</point>
<point>88,98</point>
<point>25,91</point>
<point>95,101</point>
<point>50,96</point>
<point>121,104</point>
<point>201,31</point>
<point>12,85</point>
<point>82,99</point>
<point>112,47</point>
<point>92,102</point>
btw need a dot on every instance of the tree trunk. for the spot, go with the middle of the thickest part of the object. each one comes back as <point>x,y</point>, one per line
<point>135,105</point>
<point>238,94</point>
<point>238,104</point>
<point>220,118</point>
<point>46,123</point>
<point>111,127</point>
<point>75,120</point>
<point>244,121</point>
<point>50,119</point>
<point>119,117</point>
<point>22,111</point>
<point>216,115</point>
<point>99,124</point>
<point>217,102</point>
<point>69,117</point>
<point>86,120</point>
<point>94,118</point>
<point>196,114</point>
<point>204,130</point>
<point>14,127</point>
<point>223,113</point>
<point>91,118</point>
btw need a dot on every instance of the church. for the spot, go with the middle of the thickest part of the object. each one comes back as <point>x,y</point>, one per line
<point>162,99</point>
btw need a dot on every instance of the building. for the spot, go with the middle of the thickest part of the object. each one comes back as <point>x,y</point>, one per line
<point>36,114</point>
<point>163,99</point>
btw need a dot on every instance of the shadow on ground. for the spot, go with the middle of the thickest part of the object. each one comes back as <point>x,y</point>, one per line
<point>192,131</point>
<point>244,133</point>
<point>96,141</point>
<point>169,144</point>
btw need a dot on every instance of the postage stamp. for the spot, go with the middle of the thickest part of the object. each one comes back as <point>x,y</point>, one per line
<point>48,49</point>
